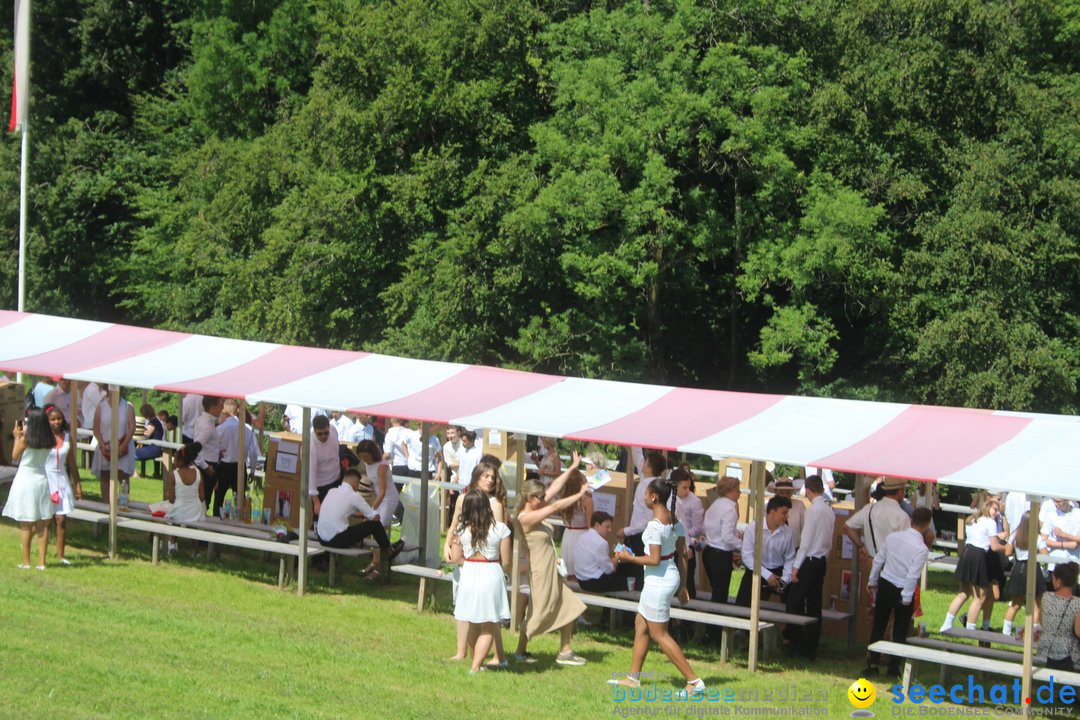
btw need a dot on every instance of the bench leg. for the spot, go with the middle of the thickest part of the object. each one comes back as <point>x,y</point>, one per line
<point>770,643</point>
<point>725,644</point>
<point>909,675</point>
<point>333,568</point>
<point>281,573</point>
<point>420,595</point>
<point>155,548</point>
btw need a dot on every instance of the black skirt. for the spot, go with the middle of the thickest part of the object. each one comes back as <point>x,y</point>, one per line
<point>972,567</point>
<point>1017,584</point>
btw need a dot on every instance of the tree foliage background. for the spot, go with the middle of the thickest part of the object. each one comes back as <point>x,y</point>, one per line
<point>860,198</point>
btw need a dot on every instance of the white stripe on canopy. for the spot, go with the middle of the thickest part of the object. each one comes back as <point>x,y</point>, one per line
<point>40,334</point>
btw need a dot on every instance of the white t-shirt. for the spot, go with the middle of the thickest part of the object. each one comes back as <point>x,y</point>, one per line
<point>489,550</point>
<point>325,462</point>
<point>592,556</point>
<point>190,410</point>
<point>416,450</point>
<point>396,436</point>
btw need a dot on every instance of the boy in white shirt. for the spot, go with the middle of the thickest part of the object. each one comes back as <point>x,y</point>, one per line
<point>593,566</point>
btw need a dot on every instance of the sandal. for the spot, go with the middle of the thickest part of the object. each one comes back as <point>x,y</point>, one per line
<point>371,573</point>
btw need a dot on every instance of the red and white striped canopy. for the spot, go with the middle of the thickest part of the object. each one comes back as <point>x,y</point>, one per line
<point>1038,454</point>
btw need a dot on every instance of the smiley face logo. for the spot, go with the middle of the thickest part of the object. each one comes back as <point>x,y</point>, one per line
<point>862,693</point>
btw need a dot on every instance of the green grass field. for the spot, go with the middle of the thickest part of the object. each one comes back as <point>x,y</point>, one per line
<point>190,639</point>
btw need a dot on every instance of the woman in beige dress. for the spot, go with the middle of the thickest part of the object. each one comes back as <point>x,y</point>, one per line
<point>551,604</point>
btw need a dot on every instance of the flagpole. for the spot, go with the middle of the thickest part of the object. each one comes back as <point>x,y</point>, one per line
<point>22,225</point>
<point>21,114</point>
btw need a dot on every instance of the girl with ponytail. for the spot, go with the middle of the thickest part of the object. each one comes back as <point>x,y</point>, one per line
<point>665,576</point>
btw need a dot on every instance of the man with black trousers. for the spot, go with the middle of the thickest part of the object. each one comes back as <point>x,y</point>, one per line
<point>894,576</point>
<point>808,573</point>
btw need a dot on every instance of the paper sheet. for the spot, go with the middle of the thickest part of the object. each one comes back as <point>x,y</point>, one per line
<point>285,463</point>
<point>604,502</point>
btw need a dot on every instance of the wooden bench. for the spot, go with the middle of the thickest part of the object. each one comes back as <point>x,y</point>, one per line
<point>425,574</point>
<point>984,637</point>
<point>158,528</point>
<point>913,654</point>
<point>939,644</point>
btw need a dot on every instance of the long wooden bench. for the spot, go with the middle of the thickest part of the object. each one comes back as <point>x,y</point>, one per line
<point>425,574</point>
<point>984,637</point>
<point>913,654</point>
<point>286,550</point>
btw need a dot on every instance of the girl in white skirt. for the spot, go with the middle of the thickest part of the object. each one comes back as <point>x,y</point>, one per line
<point>28,502</point>
<point>665,576</point>
<point>973,570</point>
<point>481,545</point>
<point>63,475</point>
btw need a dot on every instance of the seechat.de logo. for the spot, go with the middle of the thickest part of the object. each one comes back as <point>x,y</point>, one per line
<point>862,694</point>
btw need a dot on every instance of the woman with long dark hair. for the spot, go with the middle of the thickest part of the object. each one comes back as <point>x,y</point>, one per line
<point>481,546</point>
<point>665,577</point>
<point>63,475</point>
<point>28,502</point>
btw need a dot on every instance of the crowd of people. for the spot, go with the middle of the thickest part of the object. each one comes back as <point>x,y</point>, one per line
<point>352,471</point>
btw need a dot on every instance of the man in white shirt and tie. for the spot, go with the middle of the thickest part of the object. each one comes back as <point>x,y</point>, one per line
<point>808,570</point>
<point>894,576</point>
<point>777,552</point>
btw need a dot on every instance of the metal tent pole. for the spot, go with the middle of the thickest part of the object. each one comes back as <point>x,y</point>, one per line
<point>305,463</point>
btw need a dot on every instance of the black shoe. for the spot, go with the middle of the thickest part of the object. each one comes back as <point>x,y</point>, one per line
<point>395,550</point>
<point>869,671</point>
<point>962,620</point>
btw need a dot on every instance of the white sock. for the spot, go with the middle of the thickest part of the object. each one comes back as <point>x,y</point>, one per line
<point>971,626</point>
<point>1007,629</point>
<point>949,619</point>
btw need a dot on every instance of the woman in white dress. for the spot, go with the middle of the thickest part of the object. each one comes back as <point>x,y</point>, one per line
<point>481,600</point>
<point>125,443</point>
<point>385,501</point>
<point>63,476</point>
<point>28,502</point>
<point>665,576</point>
<point>184,487</point>
<point>485,478</point>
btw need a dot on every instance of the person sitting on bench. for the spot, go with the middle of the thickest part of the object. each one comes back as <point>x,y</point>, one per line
<point>894,576</point>
<point>592,558</point>
<point>777,553</point>
<point>344,502</point>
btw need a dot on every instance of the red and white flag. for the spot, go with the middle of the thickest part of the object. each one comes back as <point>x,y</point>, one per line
<point>20,95</point>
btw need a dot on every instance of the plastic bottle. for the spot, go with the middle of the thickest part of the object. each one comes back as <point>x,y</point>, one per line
<point>228,509</point>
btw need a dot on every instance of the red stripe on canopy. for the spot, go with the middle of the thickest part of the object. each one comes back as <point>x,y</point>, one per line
<point>8,317</point>
<point>113,344</point>
<point>281,365</point>
<point>925,443</point>
<point>473,390</point>
<point>680,417</point>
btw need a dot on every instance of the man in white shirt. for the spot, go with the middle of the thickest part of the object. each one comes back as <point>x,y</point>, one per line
<point>60,396</point>
<point>324,469</point>
<point>395,446</point>
<point>722,542</point>
<point>875,521</point>
<point>344,502</point>
<point>450,451</point>
<point>228,434</point>
<point>808,570</point>
<point>341,422</point>
<point>90,398</point>
<point>190,409</point>
<point>469,457</point>
<point>785,488</point>
<point>292,419</point>
<point>777,552</point>
<point>827,479</point>
<point>1061,531</point>
<point>360,430</point>
<point>205,433</point>
<point>593,566</point>
<point>897,567</point>
<point>654,466</point>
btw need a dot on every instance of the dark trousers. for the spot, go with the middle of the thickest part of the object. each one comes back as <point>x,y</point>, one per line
<point>745,588</point>
<point>636,546</point>
<point>210,484</point>
<point>691,574</point>
<point>804,598</point>
<point>225,481</point>
<point>356,534</point>
<point>889,603</point>
<point>612,582</point>
<point>718,565</point>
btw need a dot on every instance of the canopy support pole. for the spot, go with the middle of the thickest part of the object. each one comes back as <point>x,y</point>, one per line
<point>862,497</point>
<point>757,484</point>
<point>425,477</point>
<point>114,451</point>
<point>1029,600</point>
<point>303,500</point>
<point>73,421</point>
<point>241,460</point>
<point>519,537</point>
<point>628,491</point>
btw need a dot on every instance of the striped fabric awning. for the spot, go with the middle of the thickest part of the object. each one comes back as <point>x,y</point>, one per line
<point>1033,453</point>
